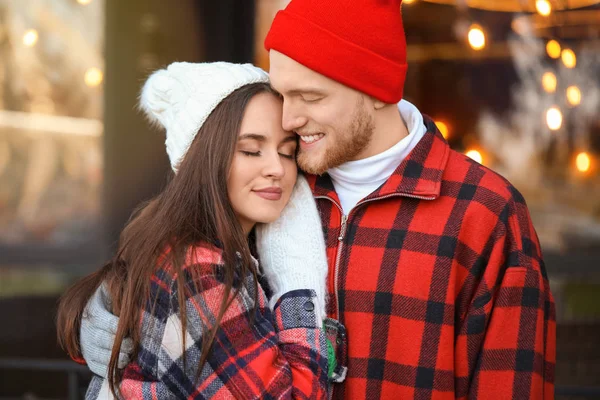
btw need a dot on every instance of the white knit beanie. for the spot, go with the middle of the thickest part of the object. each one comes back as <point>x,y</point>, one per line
<point>181,97</point>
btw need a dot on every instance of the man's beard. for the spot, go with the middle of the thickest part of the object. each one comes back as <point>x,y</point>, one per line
<point>347,145</point>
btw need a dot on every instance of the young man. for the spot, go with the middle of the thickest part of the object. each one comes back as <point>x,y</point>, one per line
<point>434,266</point>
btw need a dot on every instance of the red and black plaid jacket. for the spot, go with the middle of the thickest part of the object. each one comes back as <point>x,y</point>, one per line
<point>439,279</point>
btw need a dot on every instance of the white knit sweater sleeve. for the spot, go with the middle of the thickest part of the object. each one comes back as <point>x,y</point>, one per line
<point>292,248</point>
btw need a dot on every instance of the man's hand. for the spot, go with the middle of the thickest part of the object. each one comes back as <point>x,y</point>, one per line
<point>97,335</point>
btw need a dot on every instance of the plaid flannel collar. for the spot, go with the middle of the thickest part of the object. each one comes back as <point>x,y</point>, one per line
<point>419,175</point>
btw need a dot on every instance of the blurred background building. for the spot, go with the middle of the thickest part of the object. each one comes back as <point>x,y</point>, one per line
<point>515,84</point>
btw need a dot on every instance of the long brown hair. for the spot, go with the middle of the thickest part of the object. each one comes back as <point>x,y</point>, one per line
<point>193,208</point>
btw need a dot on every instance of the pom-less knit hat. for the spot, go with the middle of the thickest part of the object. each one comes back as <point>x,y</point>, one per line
<point>359,43</point>
<point>181,97</point>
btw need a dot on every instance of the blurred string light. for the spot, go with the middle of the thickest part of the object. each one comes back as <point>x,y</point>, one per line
<point>549,82</point>
<point>84,2</point>
<point>30,38</point>
<point>568,58</point>
<point>553,49</point>
<point>477,40</point>
<point>543,7</point>
<point>93,77</point>
<point>443,128</point>
<point>573,95</point>
<point>475,155</point>
<point>476,37</point>
<point>583,162</point>
<point>554,118</point>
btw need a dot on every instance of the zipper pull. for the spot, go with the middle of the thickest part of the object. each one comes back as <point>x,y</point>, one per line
<point>343,228</point>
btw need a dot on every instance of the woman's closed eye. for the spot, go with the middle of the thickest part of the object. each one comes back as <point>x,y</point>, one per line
<point>291,156</point>
<point>287,148</point>
<point>251,153</point>
<point>288,156</point>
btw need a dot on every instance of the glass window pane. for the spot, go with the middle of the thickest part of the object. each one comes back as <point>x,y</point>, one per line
<point>51,110</point>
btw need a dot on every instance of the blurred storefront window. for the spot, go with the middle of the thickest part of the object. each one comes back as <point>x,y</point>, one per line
<point>51,110</point>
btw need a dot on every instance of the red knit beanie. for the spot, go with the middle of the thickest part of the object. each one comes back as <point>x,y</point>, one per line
<point>359,43</point>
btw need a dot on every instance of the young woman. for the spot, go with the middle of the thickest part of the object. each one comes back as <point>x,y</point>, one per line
<point>184,283</point>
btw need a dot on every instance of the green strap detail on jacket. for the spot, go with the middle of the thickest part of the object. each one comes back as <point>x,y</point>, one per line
<point>331,361</point>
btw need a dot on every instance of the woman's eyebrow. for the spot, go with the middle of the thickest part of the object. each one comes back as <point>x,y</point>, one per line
<point>253,136</point>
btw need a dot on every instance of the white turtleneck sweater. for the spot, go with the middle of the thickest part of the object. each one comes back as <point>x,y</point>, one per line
<point>355,180</point>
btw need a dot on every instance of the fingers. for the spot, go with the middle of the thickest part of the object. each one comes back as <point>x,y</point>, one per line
<point>98,350</point>
<point>103,340</point>
<point>98,316</point>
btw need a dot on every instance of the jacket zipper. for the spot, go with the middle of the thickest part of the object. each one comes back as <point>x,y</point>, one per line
<point>338,254</point>
<point>342,234</point>
<point>337,262</point>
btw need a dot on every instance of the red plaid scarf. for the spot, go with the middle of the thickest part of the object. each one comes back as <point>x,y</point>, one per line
<point>271,355</point>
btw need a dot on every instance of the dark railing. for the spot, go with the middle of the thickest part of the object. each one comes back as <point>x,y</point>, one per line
<point>77,374</point>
